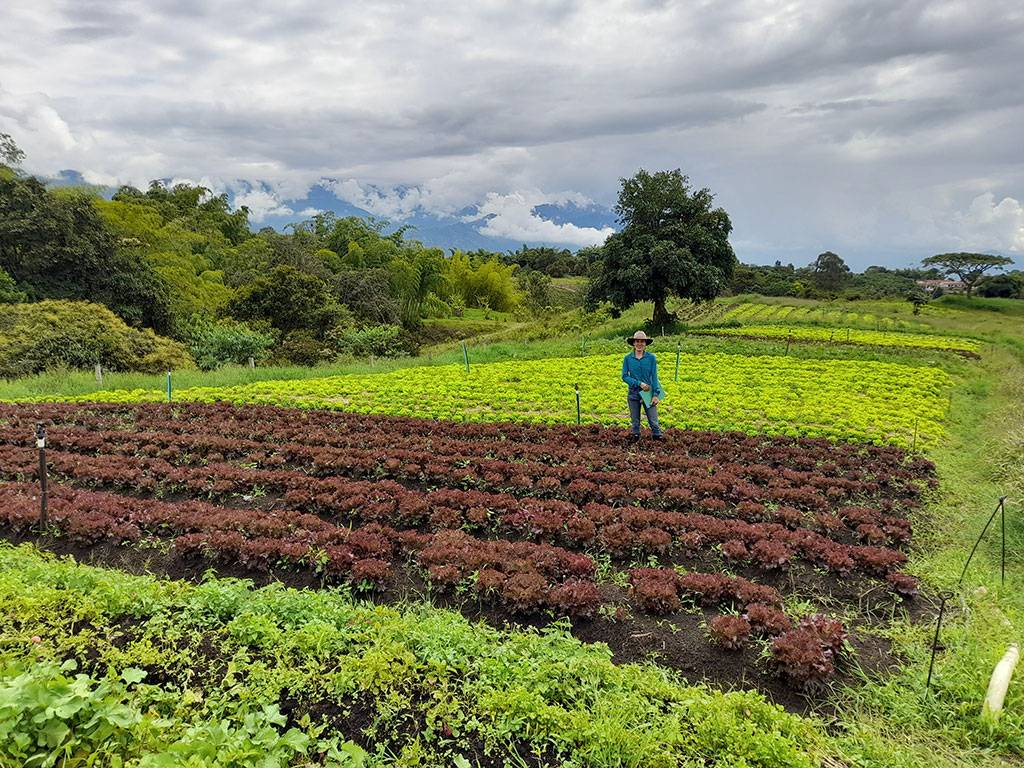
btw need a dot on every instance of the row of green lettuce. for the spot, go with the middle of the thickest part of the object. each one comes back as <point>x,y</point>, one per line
<point>858,400</point>
<point>99,667</point>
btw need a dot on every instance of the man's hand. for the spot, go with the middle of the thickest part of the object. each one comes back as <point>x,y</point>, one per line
<point>645,387</point>
<point>654,400</point>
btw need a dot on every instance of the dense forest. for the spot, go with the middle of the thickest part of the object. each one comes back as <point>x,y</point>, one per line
<point>172,277</point>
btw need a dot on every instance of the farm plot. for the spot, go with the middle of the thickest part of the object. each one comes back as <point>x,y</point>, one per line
<point>756,312</point>
<point>865,401</point>
<point>718,550</point>
<point>840,335</point>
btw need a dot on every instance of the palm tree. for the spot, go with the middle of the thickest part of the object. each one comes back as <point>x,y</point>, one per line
<point>418,277</point>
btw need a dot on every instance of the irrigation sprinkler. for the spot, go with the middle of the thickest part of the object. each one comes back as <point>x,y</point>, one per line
<point>168,386</point>
<point>679,349</point>
<point>465,355</point>
<point>41,445</point>
<point>913,446</point>
<point>579,414</point>
<point>789,340</point>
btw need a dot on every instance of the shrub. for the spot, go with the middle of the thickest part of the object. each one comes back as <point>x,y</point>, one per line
<point>215,344</point>
<point>302,348</point>
<point>78,334</point>
<point>377,340</point>
<point>729,631</point>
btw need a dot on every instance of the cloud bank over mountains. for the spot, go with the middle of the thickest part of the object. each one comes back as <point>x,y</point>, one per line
<point>882,130</point>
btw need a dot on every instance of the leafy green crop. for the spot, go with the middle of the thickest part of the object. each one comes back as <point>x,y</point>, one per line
<point>849,336</point>
<point>857,400</point>
<point>436,689</point>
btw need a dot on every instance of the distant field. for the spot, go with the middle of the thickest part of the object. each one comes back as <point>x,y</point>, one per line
<point>849,336</point>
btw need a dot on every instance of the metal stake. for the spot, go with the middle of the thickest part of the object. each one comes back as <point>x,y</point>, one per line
<point>579,416</point>
<point>935,640</point>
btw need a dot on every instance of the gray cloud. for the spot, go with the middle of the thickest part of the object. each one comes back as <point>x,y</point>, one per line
<point>878,129</point>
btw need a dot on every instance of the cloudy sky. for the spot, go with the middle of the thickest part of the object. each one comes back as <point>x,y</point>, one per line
<point>884,131</point>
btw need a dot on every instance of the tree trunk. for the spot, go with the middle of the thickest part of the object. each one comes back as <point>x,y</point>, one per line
<point>661,315</point>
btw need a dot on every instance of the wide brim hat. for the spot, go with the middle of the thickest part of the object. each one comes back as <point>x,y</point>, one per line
<point>641,336</point>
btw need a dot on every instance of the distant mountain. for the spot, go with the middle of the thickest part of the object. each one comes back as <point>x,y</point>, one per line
<point>461,231</point>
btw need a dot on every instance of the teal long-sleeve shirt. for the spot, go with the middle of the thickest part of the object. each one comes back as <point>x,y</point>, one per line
<point>643,370</point>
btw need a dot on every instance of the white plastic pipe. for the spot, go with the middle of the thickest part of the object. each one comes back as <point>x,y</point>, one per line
<point>1000,681</point>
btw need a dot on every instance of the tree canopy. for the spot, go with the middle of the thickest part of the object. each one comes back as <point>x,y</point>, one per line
<point>672,242</point>
<point>830,271</point>
<point>968,267</point>
<point>55,245</point>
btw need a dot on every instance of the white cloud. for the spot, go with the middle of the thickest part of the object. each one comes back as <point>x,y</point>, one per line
<point>802,116</point>
<point>988,225</point>
<point>262,203</point>
<point>512,216</point>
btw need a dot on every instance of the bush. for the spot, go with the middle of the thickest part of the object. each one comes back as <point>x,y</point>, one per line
<point>377,340</point>
<point>9,293</point>
<point>215,344</point>
<point>302,348</point>
<point>78,334</point>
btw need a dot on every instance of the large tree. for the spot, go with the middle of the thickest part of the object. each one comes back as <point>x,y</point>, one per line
<point>829,271</point>
<point>288,300</point>
<point>672,241</point>
<point>56,246</point>
<point>969,267</point>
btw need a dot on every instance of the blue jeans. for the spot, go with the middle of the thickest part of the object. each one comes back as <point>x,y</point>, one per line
<point>635,405</point>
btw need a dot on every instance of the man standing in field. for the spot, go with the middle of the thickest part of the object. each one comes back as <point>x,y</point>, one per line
<point>640,372</point>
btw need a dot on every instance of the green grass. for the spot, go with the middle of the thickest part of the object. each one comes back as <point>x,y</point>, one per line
<point>978,463</point>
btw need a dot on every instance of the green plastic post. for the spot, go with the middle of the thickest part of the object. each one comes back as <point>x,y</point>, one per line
<point>465,354</point>
<point>679,348</point>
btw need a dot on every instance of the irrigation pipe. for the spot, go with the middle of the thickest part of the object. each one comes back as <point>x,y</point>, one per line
<point>999,683</point>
